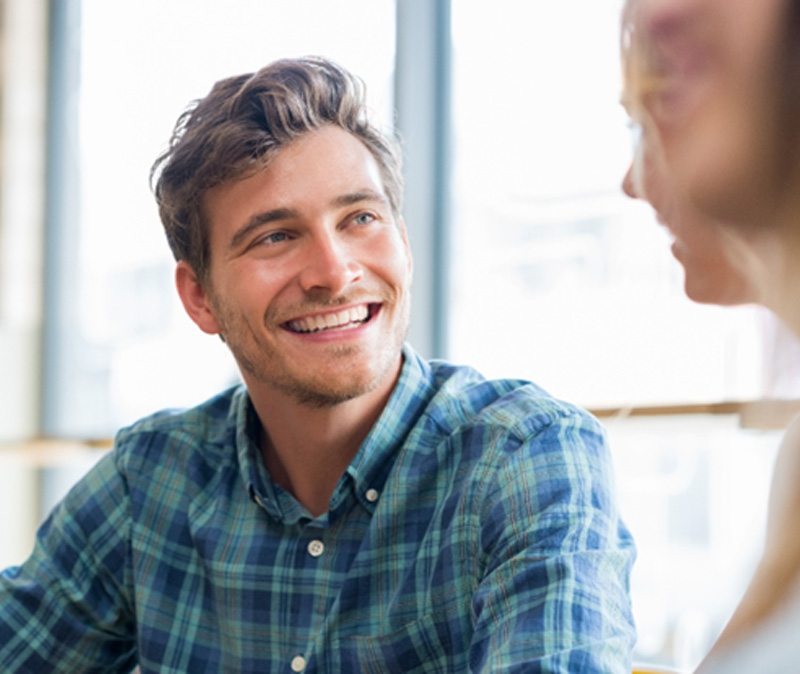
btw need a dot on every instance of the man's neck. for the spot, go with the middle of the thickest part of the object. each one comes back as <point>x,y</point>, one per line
<point>306,449</point>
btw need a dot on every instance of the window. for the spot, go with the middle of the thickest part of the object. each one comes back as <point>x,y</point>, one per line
<point>556,276</point>
<point>23,39</point>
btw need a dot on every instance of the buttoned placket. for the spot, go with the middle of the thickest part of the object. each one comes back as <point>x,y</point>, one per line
<point>315,547</point>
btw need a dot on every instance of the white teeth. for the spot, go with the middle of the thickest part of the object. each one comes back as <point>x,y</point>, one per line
<point>337,319</point>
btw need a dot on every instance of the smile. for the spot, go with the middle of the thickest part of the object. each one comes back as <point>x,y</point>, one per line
<point>346,319</point>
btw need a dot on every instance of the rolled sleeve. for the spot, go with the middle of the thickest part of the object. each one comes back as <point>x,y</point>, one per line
<point>557,559</point>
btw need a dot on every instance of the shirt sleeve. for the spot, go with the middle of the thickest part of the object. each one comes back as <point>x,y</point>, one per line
<point>554,596</point>
<point>68,607</point>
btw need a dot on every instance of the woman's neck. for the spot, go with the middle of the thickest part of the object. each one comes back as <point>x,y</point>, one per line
<point>778,252</point>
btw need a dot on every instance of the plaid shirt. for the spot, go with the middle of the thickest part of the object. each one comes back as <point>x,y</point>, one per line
<point>475,530</point>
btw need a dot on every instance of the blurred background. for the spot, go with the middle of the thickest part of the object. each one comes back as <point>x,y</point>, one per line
<point>529,262</point>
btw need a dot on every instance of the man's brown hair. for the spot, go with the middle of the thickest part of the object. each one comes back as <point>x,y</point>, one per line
<point>241,124</point>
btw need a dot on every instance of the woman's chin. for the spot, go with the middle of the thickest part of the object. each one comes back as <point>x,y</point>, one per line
<point>703,289</point>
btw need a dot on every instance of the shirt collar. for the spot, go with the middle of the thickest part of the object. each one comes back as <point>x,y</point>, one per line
<point>369,469</point>
<point>372,464</point>
<point>251,466</point>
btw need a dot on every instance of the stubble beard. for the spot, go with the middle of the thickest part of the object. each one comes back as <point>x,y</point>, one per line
<point>262,364</point>
<point>314,391</point>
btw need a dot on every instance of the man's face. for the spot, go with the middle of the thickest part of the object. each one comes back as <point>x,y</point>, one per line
<point>310,272</point>
<point>714,61</point>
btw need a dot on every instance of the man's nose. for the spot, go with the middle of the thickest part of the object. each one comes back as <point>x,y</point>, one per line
<point>330,265</point>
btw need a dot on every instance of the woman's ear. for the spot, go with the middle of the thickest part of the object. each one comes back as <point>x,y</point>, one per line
<point>195,299</point>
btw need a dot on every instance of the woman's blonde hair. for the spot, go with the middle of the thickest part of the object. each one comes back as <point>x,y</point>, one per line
<point>640,75</point>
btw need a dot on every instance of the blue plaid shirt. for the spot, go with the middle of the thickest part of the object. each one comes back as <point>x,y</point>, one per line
<point>475,530</point>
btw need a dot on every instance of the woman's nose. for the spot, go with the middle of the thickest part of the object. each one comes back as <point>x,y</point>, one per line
<point>629,184</point>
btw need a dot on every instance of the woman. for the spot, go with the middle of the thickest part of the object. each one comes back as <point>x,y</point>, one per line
<point>713,86</point>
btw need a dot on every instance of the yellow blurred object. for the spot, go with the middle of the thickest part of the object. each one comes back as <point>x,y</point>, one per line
<point>654,669</point>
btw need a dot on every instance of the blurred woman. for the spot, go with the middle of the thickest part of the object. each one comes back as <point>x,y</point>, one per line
<point>712,86</point>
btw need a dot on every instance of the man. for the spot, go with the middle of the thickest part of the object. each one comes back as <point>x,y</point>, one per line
<point>351,507</point>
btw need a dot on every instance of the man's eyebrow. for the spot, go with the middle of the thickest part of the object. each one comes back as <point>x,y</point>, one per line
<point>259,220</point>
<point>359,196</point>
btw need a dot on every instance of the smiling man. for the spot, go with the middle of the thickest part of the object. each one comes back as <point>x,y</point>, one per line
<point>351,507</point>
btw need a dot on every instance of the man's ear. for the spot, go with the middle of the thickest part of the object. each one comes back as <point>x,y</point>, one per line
<point>195,298</point>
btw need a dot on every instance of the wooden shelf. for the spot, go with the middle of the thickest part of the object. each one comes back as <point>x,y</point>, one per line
<point>49,452</point>
<point>753,414</point>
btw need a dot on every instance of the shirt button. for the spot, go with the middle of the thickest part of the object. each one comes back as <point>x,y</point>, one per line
<point>372,495</point>
<point>298,663</point>
<point>315,549</point>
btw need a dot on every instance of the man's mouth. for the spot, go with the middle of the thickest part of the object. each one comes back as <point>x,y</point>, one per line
<point>345,319</point>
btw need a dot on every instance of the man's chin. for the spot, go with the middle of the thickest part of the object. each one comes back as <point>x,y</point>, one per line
<point>324,394</point>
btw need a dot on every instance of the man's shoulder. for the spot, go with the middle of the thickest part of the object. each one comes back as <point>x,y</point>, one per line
<point>464,398</point>
<point>206,428</point>
<point>504,435</point>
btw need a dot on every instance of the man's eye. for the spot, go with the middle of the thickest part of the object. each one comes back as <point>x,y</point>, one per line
<point>364,218</point>
<point>273,238</point>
